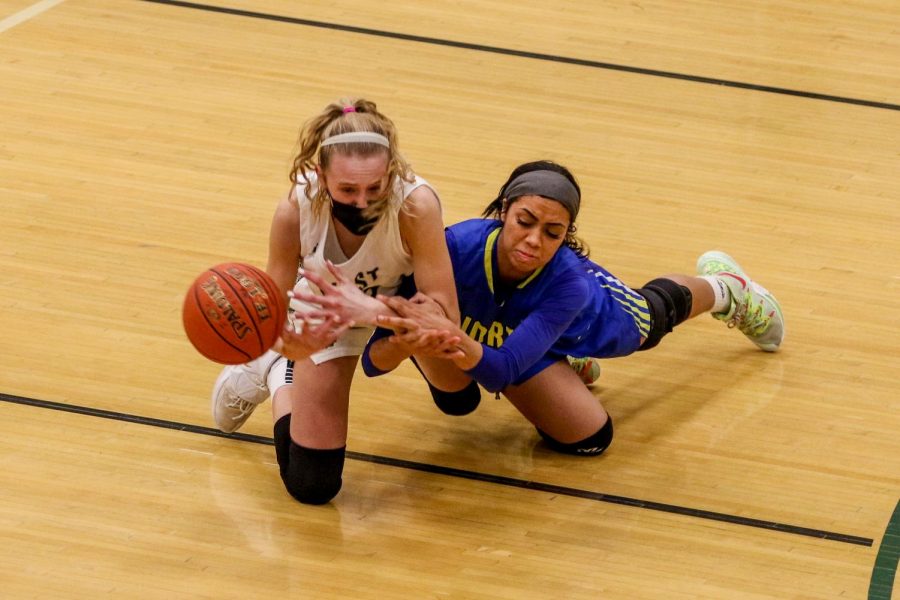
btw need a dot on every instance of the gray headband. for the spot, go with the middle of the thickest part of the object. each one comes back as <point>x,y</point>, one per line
<point>548,184</point>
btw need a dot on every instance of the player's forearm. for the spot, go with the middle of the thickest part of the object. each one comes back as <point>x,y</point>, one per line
<point>472,352</point>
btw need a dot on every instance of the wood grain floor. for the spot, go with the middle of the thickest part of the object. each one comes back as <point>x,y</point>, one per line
<point>141,142</point>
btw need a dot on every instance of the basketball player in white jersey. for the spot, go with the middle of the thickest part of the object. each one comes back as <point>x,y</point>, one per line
<point>356,203</point>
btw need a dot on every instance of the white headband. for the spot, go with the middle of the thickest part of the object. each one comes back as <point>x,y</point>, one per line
<point>357,137</point>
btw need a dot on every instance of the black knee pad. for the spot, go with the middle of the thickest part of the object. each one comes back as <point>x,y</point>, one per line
<point>310,475</point>
<point>456,404</point>
<point>592,445</point>
<point>670,305</point>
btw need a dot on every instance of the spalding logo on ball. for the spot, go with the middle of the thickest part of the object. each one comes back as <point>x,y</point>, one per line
<point>233,313</point>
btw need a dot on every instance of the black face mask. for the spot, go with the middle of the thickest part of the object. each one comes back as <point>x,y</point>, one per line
<point>352,218</point>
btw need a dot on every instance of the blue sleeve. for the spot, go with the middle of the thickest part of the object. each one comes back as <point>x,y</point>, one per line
<point>533,337</point>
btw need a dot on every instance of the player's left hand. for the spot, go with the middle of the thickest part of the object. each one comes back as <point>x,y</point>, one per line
<point>307,333</point>
<point>340,297</point>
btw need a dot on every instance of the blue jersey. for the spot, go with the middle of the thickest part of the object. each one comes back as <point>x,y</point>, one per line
<point>571,306</point>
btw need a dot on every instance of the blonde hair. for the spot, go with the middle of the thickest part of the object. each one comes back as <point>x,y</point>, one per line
<point>345,116</point>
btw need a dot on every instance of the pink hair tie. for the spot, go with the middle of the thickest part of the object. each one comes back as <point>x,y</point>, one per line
<point>349,109</point>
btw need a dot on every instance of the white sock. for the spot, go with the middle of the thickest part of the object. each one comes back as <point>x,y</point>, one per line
<point>721,293</point>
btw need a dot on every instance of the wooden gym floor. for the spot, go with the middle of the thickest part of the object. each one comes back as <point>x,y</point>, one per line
<point>141,142</point>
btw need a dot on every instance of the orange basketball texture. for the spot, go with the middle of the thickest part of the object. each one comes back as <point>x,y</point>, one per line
<point>233,313</point>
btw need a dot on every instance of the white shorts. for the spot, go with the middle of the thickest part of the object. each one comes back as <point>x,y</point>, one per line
<point>352,343</point>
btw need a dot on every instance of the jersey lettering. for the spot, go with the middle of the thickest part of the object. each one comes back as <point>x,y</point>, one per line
<point>365,280</point>
<point>494,333</point>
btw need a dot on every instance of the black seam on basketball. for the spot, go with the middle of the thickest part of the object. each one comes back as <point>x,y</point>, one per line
<point>273,292</point>
<point>214,330</point>
<point>271,289</point>
<point>250,314</point>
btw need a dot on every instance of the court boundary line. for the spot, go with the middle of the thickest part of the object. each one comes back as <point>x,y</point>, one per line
<point>27,13</point>
<point>881,583</point>
<point>459,473</point>
<point>526,54</point>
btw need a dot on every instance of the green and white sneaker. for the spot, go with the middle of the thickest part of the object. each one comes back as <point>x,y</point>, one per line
<point>587,368</point>
<point>754,311</point>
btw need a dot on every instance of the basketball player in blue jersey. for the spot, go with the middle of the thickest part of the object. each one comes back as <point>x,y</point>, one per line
<point>529,297</point>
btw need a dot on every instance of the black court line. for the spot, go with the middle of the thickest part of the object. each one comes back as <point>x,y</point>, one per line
<point>460,473</point>
<point>525,54</point>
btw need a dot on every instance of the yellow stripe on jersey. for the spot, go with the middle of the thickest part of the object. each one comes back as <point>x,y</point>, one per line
<point>489,263</point>
<point>631,301</point>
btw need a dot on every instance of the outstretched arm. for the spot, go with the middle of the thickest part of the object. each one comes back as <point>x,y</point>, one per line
<point>339,296</point>
<point>388,347</point>
<point>421,328</point>
<point>525,347</point>
<point>422,230</point>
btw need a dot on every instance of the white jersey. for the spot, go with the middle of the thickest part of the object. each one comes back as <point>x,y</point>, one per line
<point>376,267</point>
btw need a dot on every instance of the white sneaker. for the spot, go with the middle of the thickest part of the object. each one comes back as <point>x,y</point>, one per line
<point>239,389</point>
<point>754,311</point>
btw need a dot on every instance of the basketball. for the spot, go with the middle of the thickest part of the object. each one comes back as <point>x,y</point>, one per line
<point>233,313</point>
